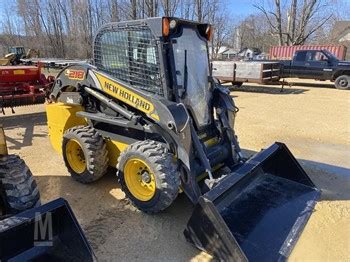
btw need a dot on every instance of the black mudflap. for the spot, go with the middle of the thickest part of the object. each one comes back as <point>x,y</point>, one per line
<point>46,233</point>
<point>258,212</point>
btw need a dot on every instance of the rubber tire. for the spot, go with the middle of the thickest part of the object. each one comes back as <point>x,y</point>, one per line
<point>19,190</point>
<point>10,222</point>
<point>237,84</point>
<point>164,169</point>
<point>95,153</point>
<point>342,77</point>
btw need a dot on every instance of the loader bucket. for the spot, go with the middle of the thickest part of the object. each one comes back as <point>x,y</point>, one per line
<point>46,233</point>
<point>256,213</point>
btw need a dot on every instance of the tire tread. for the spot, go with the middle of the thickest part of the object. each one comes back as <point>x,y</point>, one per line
<point>18,186</point>
<point>97,154</point>
<point>164,168</point>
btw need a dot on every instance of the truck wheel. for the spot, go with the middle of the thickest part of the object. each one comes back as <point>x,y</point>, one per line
<point>18,189</point>
<point>148,175</point>
<point>235,85</point>
<point>342,82</point>
<point>85,154</point>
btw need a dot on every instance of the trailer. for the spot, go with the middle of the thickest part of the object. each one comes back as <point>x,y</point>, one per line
<point>238,72</point>
<point>55,63</point>
<point>22,85</point>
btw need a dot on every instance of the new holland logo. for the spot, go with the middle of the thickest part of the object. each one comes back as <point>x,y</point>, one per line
<point>126,96</point>
<point>132,98</point>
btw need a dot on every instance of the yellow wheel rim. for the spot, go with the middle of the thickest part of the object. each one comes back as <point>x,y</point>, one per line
<point>139,179</point>
<point>75,156</point>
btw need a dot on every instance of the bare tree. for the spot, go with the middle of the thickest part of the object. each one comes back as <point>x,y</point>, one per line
<point>65,28</point>
<point>199,10</point>
<point>133,5</point>
<point>292,17</point>
<point>186,9</point>
<point>114,11</point>
<point>169,7</point>
<point>303,18</point>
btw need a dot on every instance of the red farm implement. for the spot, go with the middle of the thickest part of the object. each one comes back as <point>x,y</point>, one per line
<point>22,85</point>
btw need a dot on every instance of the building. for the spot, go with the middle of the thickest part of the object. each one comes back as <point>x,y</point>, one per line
<point>249,53</point>
<point>221,50</point>
<point>228,54</point>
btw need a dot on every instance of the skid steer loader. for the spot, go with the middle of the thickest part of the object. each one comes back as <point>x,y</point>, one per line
<point>149,107</point>
<point>29,231</point>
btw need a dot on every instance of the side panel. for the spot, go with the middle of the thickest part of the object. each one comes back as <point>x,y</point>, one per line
<point>61,117</point>
<point>10,74</point>
<point>114,149</point>
<point>126,95</point>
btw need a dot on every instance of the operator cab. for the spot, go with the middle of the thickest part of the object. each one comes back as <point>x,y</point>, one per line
<point>133,52</point>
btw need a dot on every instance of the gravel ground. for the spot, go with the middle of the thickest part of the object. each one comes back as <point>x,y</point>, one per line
<point>313,120</point>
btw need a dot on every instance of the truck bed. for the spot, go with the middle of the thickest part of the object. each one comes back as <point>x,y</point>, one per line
<point>249,71</point>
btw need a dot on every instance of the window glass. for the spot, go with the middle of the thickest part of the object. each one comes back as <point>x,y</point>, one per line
<point>191,48</point>
<point>315,56</point>
<point>151,55</point>
<point>114,56</point>
<point>130,55</point>
<point>300,57</point>
<point>309,56</point>
<point>134,54</point>
<point>319,56</point>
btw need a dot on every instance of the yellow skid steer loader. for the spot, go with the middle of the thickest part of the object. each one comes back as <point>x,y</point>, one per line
<point>149,107</point>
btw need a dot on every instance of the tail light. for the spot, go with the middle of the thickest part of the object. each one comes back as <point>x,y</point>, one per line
<point>209,32</point>
<point>165,26</point>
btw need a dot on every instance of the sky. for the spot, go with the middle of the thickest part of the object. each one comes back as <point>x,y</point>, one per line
<point>238,9</point>
<point>241,8</point>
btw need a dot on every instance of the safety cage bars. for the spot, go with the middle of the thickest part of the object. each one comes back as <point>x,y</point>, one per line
<point>129,54</point>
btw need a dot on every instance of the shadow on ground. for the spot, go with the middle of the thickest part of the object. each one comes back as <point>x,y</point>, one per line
<point>274,90</point>
<point>333,181</point>
<point>115,229</point>
<point>26,122</point>
<point>315,85</point>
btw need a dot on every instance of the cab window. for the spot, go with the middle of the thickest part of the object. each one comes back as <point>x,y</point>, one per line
<point>300,57</point>
<point>131,56</point>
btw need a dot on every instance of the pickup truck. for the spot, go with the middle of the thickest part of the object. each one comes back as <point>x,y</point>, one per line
<point>319,65</point>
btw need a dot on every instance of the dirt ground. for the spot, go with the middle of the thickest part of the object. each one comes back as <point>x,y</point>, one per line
<point>313,120</point>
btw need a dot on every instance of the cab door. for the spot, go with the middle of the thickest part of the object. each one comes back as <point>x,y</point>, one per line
<point>297,68</point>
<point>317,65</point>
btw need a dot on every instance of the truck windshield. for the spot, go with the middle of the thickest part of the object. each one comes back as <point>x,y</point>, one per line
<point>190,48</point>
